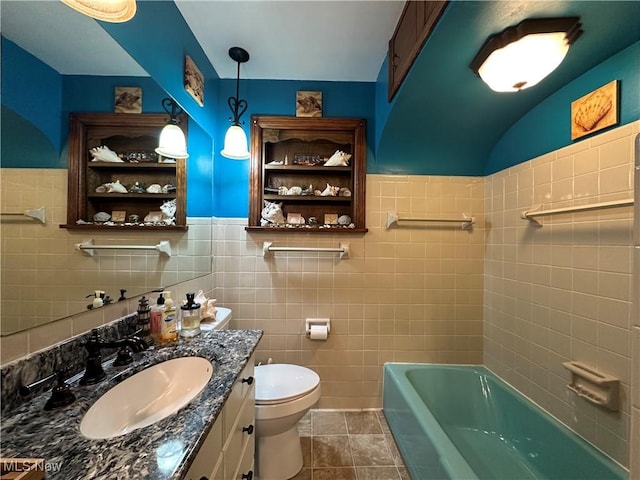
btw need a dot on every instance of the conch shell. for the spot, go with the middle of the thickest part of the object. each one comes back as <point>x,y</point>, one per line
<point>338,159</point>
<point>104,154</point>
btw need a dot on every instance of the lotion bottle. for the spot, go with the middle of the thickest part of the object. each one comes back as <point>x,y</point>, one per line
<point>169,321</point>
<point>156,318</point>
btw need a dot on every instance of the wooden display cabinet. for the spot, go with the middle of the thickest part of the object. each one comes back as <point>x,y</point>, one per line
<point>134,137</point>
<point>290,152</point>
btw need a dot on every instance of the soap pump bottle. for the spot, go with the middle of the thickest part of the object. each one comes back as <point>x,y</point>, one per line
<point>156,318</point>
<point>169,331</point>
<point>190,317</point>
<point>98,299</point>
<point>144,317</point>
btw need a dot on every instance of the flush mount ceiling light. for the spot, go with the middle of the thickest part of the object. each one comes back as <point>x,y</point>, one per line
<point>172,143</point>
<point>235,140</point>
<point>115,11</point>
<point>519,57</point>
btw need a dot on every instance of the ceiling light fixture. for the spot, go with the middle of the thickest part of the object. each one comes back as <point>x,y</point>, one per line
<point>519,57</point>
<point>235,140</point>
<point>172,143</point>
<point>114,11</point>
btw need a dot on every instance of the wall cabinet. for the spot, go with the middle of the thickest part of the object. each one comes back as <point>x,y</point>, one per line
<point>416,22</point>
<point>228,451</point>
<point>133,137</point>
<point>289,153</point>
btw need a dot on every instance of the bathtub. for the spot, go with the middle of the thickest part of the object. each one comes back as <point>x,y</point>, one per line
<point>463,422</point>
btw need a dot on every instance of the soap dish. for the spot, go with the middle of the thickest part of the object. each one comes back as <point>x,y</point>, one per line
<point>595,387</point>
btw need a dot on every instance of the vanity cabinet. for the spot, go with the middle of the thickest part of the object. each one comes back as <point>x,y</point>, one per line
<point>133,137</point>
<point>289,153</point>
<point>416,22</point>
<point>228,451</point>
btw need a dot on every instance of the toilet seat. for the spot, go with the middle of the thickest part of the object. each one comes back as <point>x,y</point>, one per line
<point>281,382</point>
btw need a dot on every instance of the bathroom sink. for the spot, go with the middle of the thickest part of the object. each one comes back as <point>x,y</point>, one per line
<point>146,397</point>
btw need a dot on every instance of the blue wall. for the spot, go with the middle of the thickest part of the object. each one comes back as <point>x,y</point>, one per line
<point>547,127</point>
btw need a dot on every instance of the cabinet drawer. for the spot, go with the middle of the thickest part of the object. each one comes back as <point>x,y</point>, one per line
<point>245,469</point>
<point>241,387</point>
<point>209,457</point>
<point>242,433</point>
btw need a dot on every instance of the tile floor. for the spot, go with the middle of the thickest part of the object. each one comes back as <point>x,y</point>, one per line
<point>348,445</point>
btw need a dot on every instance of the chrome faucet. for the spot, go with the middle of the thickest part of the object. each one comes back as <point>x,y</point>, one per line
<point>94,372</point>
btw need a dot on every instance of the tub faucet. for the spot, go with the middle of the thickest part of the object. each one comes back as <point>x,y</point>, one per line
<point>94,372</point>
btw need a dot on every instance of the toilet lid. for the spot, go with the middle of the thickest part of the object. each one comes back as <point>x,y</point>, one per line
<point>281,382</point>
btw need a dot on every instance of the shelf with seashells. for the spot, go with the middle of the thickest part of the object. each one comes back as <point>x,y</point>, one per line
<point>307,174</point>
<point>116,179</point>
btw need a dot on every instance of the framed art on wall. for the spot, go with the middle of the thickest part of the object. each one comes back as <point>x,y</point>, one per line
<point>595,111</point>
<point>308,104</point>
<point>128,100</point>
<point>193,80</point>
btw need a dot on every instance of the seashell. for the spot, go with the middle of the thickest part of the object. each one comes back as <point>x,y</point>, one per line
<point>344,220</point>
<point>115,187</point>
<point>338,159</point>
<point>330,191</point>
<point>283,191</point>
<point>101,217</point>
<point>104,154</point>
<point>295,191</point>
<point>153,217</point>
<point>313,221</point>
<point>137,188</point>
<point>593,109</point>
<point>102,188</point>
<point>344,192</point>
<point>317,193</point>
<point>168,188</point>
<point>154,188</point>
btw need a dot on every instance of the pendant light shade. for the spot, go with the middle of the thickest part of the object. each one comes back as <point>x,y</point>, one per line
<point>520,57</point>
<point>114,11</point>
<point>172,142</point>
<point>235,144</point>
<point>235,140</point>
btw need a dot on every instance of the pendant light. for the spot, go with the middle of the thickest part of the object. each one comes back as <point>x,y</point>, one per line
<point>235,140</point>
<point>172,143</point>
<point>520,57</point>
<point>114,11</point>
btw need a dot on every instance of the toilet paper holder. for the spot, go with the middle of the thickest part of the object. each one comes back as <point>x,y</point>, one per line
<point>323,322</point>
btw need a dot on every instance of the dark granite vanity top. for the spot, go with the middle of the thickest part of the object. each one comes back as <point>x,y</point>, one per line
<point>163,450</point>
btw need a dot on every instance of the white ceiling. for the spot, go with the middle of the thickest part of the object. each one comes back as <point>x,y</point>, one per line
<point>292,40</point>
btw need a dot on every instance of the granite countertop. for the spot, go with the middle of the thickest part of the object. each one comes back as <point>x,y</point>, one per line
<point>160,451</point>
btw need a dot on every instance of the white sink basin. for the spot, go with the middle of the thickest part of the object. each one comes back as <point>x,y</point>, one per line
<point>146,397</point>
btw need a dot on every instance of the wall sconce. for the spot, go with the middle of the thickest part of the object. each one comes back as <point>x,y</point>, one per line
<point>172,143</point>
<point>114,11</point>
<point>519,57</point>
<point>235,140</point>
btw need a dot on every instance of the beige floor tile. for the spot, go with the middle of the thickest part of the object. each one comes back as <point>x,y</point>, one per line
<point>345,473</point>
<point>328,423</point>
<point>370,450</point>
<point>331,451</point>
<point>304,425</point>
<point>305,443</point>
<point>362,422</point>
<point>377,473</point>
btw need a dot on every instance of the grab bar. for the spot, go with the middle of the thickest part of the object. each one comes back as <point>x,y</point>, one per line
<point>267,248</point>
<point>88,247</point>
<point>35,213</point>
<point>466,221</point>
<point>534,212</point>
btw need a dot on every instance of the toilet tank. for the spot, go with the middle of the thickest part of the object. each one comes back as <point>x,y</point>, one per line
<point>223,317</point>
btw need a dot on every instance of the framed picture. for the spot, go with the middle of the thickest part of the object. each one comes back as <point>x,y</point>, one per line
<point>128,100</point>
<point>295,219</point>
<point>308,104</point>
<point>330,218</point>
<point>595,111</point>
<point>118,216</point>
<point>193,80</point>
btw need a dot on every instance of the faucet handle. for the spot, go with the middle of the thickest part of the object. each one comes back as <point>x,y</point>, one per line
<point>61,395</point>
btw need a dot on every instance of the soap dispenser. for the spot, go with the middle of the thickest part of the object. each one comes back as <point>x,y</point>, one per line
<point>144,317</point>
<point>156,318</point>
<point>98,299</point>
<point>190,317</point>
<point>169,332</point>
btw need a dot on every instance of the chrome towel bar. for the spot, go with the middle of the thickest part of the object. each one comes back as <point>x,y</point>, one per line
<point>267,249</point>
<point>88,247</point>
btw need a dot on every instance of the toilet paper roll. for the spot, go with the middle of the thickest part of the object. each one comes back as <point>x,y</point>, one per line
<point>318,332</point>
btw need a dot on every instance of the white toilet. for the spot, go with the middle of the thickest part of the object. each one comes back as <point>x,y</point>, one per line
<point>284,394</point>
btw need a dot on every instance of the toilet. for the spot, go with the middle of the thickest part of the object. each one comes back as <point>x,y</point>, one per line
<point>284,394</point>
